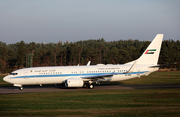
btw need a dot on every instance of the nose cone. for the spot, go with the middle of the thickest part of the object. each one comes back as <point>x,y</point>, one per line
<point>6,78</point>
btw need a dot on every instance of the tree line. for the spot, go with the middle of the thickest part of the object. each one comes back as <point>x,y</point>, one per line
<point>21,54</point>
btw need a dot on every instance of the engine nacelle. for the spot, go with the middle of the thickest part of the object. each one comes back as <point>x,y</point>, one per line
<point>74,82</point>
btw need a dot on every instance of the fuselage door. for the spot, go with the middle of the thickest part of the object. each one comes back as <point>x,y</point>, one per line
<point>80,73</point>
<point>138,72</point>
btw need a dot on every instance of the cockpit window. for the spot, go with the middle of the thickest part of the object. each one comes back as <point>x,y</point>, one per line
<point>13,73</point>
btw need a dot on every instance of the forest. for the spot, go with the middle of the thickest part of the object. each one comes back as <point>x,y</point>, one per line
<point>21,54</point>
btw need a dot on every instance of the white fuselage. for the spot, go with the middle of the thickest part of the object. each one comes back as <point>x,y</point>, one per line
<point>58,74</point>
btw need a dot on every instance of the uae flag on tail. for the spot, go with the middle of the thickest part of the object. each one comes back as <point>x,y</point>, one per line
<point>150,51</point>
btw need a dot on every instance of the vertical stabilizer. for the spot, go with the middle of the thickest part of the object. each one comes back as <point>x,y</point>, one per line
<point>151,54</point>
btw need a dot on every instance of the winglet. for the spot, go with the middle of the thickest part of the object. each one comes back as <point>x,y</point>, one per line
<point>88,63</point>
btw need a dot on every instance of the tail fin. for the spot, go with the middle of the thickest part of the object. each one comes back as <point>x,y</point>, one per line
<point>151,54</point>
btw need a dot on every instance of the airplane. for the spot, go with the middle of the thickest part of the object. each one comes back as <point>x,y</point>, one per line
<point>88,75</point>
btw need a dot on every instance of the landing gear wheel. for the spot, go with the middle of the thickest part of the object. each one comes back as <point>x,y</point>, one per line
<point>66,85</point>
<point>85,86</point>
<point>20,88</point>
<point>91,86</point>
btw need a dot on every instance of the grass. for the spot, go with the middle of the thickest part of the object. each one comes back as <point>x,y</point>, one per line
<point>142,102</point>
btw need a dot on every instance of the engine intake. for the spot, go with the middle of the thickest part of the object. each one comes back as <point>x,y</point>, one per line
<point>74,82</point>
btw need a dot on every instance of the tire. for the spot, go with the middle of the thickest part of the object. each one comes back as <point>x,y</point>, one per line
<point>20,88</point>
<point>84,86</point>
<point>66,85</point>
<point>91,86</point>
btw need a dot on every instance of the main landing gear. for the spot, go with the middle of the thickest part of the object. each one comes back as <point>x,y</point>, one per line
<point>20,88</point>
<point>89,85</point>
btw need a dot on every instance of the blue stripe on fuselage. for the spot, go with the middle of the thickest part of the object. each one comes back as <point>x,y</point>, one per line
<point>71,75</point>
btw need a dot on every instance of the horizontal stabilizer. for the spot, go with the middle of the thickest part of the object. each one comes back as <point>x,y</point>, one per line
<point>163,65</point>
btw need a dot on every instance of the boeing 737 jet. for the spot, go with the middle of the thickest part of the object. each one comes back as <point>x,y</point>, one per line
<point>88,75</point>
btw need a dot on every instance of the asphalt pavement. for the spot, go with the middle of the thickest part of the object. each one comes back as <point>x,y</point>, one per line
<point>31,89</point>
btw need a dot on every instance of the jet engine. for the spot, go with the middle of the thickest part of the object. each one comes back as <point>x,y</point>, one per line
<point>74,82</point>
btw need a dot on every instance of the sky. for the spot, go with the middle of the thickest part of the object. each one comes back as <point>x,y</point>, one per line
<point>52,21</point>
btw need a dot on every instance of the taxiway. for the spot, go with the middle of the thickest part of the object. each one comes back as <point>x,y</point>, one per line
<point>28,89</point>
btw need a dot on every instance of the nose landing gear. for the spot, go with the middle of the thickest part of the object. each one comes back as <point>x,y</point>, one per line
<point>19,85</point>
